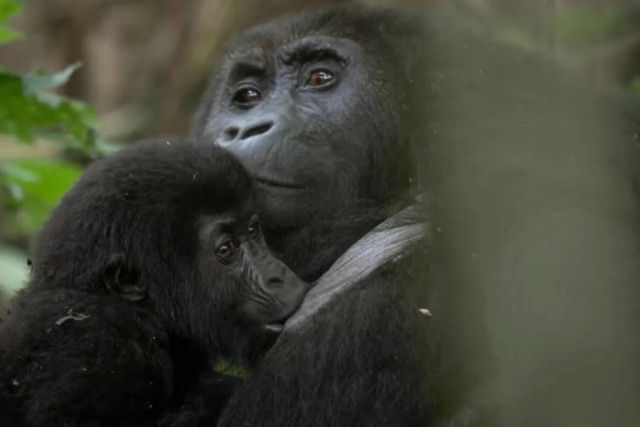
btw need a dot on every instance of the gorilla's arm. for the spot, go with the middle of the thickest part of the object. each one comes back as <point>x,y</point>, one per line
<point>204,403</point>
<point>341,367</point>
<point>387,242</point>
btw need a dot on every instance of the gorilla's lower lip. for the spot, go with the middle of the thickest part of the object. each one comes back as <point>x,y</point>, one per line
<point>275,328</point>
<point>272,182</point>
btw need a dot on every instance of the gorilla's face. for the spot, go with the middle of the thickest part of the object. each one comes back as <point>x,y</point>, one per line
<point>243,276</point>
<point>315,119</point>
<point>305,118</point>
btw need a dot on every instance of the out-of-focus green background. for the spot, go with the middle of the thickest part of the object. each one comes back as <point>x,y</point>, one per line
<point>116,71</point>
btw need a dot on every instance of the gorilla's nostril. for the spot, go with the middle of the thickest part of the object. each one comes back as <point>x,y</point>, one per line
<point>231,133</point>
<point>256,130</point>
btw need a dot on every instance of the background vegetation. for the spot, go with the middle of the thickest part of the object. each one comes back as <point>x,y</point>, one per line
<point>123,70</point>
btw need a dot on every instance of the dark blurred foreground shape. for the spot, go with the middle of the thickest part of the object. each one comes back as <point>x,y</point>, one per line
<point>534,175</point>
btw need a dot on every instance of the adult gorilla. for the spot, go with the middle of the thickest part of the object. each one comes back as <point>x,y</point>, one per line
<point>344,117</point>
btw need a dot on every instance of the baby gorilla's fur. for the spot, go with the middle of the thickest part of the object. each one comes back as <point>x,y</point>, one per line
<point>151,267</point>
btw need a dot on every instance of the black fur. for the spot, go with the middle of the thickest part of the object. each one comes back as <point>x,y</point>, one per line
<point>483,132</point>
<point>357,362</point>
<point>127,305</point>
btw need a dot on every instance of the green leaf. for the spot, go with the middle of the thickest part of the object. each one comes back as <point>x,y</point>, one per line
<point>15,271</point>
<point>226,367</point>
<point>106,148</point>
<point>7,35</point>
<point>16,172</point>
<point>37,82</point>
<point>35,188</point>
<point>25,114</point>
<point>8,9</point>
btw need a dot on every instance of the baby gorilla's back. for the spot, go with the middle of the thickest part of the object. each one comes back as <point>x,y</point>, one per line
<point>74,357</point>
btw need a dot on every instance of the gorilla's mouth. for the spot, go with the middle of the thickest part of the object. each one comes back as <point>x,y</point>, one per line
<point>277,182</point>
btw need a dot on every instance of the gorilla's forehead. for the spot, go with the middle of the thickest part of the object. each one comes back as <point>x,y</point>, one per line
<point>230,221</point>
<point>258,54</point>
<point>347,22</point>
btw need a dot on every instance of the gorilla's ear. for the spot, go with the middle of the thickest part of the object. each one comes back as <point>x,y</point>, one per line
<point>123,280</point>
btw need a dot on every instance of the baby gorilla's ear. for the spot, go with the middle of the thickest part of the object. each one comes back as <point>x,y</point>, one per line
<point>123,280</point>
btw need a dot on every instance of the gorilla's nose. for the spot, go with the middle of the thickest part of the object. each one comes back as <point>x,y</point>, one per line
<point>241,133</point>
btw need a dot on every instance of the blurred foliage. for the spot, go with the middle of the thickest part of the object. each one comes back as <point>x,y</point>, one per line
<point>576,27</point>
<point>30,188</point>
<point>27,110</point>
<point>14,270</point>
<point>227,367</point>
<point>603,43</point>
<point>586,26</point>
<point>635,85</point>
<point>34,186</point>
<point>8,8</point>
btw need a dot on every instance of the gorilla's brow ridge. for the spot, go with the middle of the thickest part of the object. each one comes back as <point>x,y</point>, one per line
<point>247,66</point>
<point>310,50</point>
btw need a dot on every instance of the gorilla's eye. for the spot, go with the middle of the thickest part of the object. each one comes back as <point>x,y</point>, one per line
<point>320,78</point>
<point>246,97</point>
<point>225,251</point>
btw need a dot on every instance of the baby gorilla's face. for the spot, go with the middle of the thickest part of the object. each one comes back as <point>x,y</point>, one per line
<point>263,290</point>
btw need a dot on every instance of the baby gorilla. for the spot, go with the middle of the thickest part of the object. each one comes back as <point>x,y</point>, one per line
<point>151,267</point>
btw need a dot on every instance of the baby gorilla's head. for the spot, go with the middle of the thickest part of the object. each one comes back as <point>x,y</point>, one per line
<point>170,227</point>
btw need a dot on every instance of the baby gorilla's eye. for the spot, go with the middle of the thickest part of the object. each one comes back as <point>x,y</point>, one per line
<point>320,78</point>
<point>247,97</point>
<point>225,251</point>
